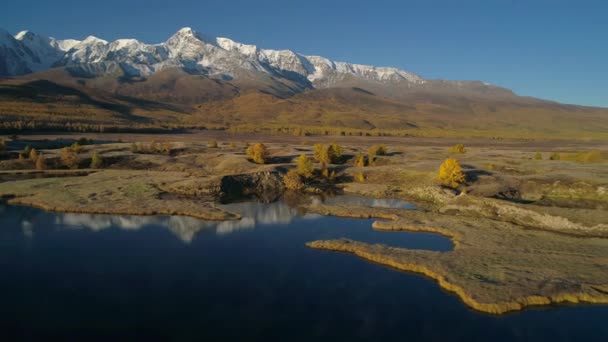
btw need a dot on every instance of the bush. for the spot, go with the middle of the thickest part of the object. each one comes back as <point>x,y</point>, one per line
<point>69,158</point>
<point>555,156</point>
<point>96,161</point>
<point>458,148</point>
<point>293,181</point>
<point>450,173</point>
<point>41,162</point>
<point>257,153</point>
<point>304,166</point>
<point>212,144</point>
<point>134,148</point>
<point>2,145</point>
<point>538,156</point>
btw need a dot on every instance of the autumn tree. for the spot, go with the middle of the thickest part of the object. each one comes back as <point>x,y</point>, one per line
<point>321,154</point>
<point>360,160</point>
<point>69,158</point>
<point>304,166</point>
<point>293,181</point>
<point>41,162</point>
<point>334,152</point>
<point>258,153</point>
<point>450,173</point>
<point>33,155</point>
<point>96,161</point>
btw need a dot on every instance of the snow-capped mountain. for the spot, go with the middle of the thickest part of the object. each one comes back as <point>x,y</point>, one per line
<point>187,49</point>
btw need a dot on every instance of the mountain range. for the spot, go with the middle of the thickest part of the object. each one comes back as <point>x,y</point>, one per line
<point>195,79</point>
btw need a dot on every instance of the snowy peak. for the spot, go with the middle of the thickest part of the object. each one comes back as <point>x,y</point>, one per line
<point>189,50</point>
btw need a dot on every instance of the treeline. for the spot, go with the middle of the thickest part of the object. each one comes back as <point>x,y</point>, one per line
<point>20,126</point>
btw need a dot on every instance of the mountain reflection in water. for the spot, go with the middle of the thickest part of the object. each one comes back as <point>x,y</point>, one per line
<point>186,228</point>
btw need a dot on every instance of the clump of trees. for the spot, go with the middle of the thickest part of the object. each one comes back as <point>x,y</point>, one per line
<point>450,173</point>
<point>96,161</point>
<point>257,153</point>
<point>152,148</point>
<point>458,148</point>
<point>330,154</point>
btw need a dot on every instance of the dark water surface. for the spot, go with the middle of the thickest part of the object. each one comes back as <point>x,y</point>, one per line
<point>99,277</point>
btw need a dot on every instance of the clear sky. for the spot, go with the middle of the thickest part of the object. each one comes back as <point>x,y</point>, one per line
<point>553,49</point>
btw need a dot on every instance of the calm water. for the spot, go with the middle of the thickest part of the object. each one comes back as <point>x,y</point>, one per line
<point>98,277</point>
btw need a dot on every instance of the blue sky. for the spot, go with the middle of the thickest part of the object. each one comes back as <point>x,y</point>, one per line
<point>550,49</point>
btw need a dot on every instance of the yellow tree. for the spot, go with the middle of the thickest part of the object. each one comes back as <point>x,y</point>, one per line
<point>257,153</point>
<point>321,154</point>
<point>293,181</point>
<point>450,173</point>
<point>304,166</point>
<point>334,152</point>
<point>40,162</point>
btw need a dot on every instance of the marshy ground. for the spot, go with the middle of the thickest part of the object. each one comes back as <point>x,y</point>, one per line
<point>527,231</point>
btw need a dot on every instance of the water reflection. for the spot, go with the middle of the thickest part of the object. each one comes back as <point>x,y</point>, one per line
<point>186,228</point>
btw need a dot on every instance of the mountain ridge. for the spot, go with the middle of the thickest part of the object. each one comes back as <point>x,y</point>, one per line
<point>195,80</point>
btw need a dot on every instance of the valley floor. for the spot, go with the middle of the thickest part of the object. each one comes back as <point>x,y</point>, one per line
<point>527,231</point>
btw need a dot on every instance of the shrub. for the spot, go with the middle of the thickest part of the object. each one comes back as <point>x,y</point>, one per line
<point>41,162</point>
<point>33,155</point>
<point>212,144</point>
<point>257,153</point>
<point>96,161</point>
<point>458,148</point>
<point>304,166</point>
<point>2,145</point>
<point>69,158</point>
<point>360,160</point>
<point>450,173</point>
<point>538,156</point>
<point>134,148</point>
<point>555,156</point>
<point>293,181</point>
<point>232,144</point>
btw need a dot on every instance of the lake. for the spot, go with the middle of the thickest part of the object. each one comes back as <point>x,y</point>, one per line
<point>100,277</point>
